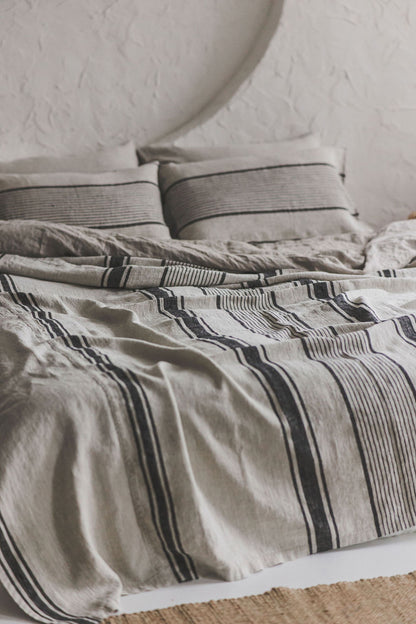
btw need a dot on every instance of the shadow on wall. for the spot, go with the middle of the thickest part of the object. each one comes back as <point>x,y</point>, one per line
<point>236,81</point>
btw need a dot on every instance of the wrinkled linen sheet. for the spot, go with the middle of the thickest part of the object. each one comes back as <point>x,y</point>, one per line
<point>173,410</point>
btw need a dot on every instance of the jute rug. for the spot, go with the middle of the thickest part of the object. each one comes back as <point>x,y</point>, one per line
<point>384,600</point>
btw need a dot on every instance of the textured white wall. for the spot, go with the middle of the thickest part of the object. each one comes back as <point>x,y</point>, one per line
<point>76,74</point>
<point>345,68</point>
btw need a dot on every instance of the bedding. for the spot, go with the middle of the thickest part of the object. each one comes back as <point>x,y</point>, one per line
<point>104,159</point>
<point>294,194</point>
<point>127,200</point>
<point>165,153</point>
<point>175,409</point>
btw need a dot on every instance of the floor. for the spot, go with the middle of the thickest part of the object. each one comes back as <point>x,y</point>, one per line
<point>394,555</point>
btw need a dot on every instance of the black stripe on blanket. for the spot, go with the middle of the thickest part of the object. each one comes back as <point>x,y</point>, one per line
<point>150,457</point>
<point>377,427</point>
<point>396,512</point>
<point>115,277</point>
<point>281,392</point>
<point>249,321</point>
<point>146,439</point>
<point>116,261</point>
<point>22,578</point>
<point>390,272</point>
<point>298,328</point>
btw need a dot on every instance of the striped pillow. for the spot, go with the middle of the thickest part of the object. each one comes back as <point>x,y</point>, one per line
<point>103,159</point>
<point>125,201</point>
<point>177,154</point>
<point>259,199</point>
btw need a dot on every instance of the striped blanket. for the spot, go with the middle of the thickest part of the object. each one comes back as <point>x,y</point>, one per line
<point>172,410</point>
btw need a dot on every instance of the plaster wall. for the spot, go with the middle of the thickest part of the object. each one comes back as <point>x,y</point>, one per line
<point>75,74</point>
<point>347,69</point>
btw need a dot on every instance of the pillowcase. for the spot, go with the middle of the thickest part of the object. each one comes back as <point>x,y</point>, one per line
<point>105,159</point>
<point>126,201</point>
<point>296,195</point>
<point>172,153</point>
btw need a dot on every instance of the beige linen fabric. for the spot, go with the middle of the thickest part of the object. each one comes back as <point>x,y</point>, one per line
<point>288,195</point>
<point>127,200</point>
<point>120,470</point>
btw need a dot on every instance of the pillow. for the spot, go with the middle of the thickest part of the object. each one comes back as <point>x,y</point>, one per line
<point>125,201</point>
<point>172,153</point>
<point>296,195</point>
<point>105,159</point>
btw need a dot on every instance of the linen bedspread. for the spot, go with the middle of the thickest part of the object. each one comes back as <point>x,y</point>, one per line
<point>173,410</point>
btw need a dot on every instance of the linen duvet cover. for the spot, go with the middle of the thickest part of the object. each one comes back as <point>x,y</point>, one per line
<point>172,410</point>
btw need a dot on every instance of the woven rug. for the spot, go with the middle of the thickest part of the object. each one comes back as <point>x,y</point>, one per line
<point>384,600</point>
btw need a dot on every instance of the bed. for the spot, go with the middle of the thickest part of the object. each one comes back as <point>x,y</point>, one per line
<point>207,370</point>
<point>141,372</point>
